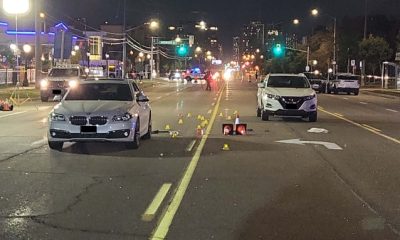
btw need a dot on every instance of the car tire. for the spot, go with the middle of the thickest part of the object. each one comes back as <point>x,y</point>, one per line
<point>313,117</point>
<point>356,92</point>
<point>44,99</point>
<point>149,129</point>
<point>348,93</point>
<point>258,112</point>
<point>58,146</point>
<point>264,115</point>
<point>189,79</point>
<point>136,141</point>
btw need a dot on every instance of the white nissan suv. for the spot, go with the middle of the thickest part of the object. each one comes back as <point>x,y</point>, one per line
<point>286,95</point>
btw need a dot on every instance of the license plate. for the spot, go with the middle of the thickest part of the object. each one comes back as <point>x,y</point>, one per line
<point>88,129</point>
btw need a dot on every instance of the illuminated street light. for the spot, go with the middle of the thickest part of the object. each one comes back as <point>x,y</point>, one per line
<point>42,15</point>
<point>262,56</point>
<point>171,28</point>
<point>330,70</point>
<point>314,62</point>
<point>27,48</point>
<point>208,53</point>
<point>296,21</point>
<point>13,47</point>
<point>316,72</point>
<point>42,58</point>
<point>141,54</point>
<point>131,52</point>
<point>148,56</point>
<point>258,50</point>
<point>315,12</point>
<point>76,48</point>
<point>178,39</point>
<point>73,53</point>
<point>154,24</point>
<point>198,49</point>
<point>16,6</point>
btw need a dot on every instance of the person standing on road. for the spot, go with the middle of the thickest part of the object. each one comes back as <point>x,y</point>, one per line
<point>208,79</point>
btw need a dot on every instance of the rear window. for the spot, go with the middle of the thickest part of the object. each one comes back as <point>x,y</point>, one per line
<point>100,91</point>
<point>60,72</point>
<point>351,78</point>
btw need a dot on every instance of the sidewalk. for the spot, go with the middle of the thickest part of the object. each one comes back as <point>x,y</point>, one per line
<point>380,91</point>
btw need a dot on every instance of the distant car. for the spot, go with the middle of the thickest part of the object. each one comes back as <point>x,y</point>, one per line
<point>318,83</point>
<point>106,110</point>
<point>286,95</point>
<point>346,83</point>
<point>58,81</point>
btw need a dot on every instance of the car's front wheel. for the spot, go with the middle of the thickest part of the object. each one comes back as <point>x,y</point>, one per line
<point>149,129</point>
<point>313,117</point>
<point>264,115</point>
<point>136,138</point>
<point>356,92</point>
<point>58,146</point>
<point>258,112</point>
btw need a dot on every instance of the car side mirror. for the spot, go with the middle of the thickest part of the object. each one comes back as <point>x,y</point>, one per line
<point>261,85</point>
<point>142,98</point>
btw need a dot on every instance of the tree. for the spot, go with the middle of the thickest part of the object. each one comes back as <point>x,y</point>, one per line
<point>8,55</point>
<point>374,50</point>
<point>321,44</point>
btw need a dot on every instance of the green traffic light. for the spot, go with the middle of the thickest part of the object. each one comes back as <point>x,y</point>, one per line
<point>182,50</point>
<point>278,50</point>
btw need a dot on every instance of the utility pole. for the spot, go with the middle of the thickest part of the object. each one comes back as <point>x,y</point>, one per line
<point>334,45</point>
<point>124,43</point>
<point>151,58</point>
<point>38,47</point>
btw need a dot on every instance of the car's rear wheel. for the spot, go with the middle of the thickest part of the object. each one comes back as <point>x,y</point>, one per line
<point>258,112</point>
<point>264,115</point>
<point>44,98</point>
<point>356,92</point>
<point>58,146</point>
<point>136,138</point>
<point>313,117</point>
<point>149,129</point>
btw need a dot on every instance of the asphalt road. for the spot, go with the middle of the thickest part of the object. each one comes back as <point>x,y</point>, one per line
<point>262,188</point>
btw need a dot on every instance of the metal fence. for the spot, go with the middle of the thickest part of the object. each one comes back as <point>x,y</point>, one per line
<point>12,76</point>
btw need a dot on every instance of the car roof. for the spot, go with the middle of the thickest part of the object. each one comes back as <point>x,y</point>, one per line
<point>286,75</point>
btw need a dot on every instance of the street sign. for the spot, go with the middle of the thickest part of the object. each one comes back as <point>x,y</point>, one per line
<point>307,68</point>
<point>171,42</point>
<point>353,63</point>
<point>397,56</point>
<point>191,40</point>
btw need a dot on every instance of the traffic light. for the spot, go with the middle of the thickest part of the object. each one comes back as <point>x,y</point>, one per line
<point>278,50</point>
<point>182,50</point>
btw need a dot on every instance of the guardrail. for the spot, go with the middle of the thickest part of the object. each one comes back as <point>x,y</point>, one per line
<point>12,76</point>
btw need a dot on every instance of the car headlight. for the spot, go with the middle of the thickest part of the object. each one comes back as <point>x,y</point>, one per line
<point>272,96</point>
<point>122,117</point>
<point>177,75</point>
<point>57,117</point>
<point>309,97</point>
<point>73,83</point>
<point>44,83</point>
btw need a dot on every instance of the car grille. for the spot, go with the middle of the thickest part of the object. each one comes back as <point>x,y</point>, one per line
<point>78,120</point>
<point>57,84</point>
<point>98,120</point>
<point>291,102</point>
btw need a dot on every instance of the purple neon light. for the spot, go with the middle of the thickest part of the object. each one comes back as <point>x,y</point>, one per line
<point>61,25</point>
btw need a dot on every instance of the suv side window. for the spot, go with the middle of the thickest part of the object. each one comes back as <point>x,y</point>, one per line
<point>135,87</point>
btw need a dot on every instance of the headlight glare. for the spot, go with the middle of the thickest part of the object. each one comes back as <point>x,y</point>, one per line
<point>44,83</point>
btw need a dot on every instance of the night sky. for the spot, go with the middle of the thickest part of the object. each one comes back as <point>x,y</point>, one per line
<point>228,15</point>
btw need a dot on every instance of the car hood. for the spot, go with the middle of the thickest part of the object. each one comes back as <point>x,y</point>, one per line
<point>62,78</point>
<point>92,107</point>
<point>290,92</point>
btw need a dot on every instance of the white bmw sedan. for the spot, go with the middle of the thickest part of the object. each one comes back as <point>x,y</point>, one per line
<point>108,110</point>
<point>286,95</point>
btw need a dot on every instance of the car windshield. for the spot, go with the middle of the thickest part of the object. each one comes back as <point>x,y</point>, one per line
<point>311,76</point>
<point>288,82</point>
<point>60,72</point>
<point>100,91</point>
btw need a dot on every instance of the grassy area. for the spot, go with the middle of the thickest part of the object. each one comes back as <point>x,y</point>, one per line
<point>23,93</point>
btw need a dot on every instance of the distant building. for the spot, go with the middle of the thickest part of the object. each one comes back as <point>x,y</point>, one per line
<point>236,49</point>
<point>253,37</point>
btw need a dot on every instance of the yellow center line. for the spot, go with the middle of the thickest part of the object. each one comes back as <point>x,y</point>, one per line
<point>371,127</point>
<point>364,127</point>
<point>162,228</point>
<point>151,210</point>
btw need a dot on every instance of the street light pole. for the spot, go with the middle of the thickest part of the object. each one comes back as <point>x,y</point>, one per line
<point>334,45</point>
<point>151,58</point>
<point>38,47</point>
<point>124,43</point>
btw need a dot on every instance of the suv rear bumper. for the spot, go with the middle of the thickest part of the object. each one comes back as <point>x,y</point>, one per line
<point>290,113</point>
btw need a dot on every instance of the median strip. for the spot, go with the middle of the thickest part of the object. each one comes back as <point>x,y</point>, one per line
<point>162,228</point>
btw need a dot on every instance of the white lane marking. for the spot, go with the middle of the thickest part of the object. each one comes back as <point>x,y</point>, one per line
<point>363,103</point>
<point>151,210</point>
<point>317,130</point>
<point>12,114</point>
<point>345,98</point>
<point>328,145</point>
<point>189,147</point>
<point>43,108</point>
<point>39,142</point>
<point>391,110</point>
